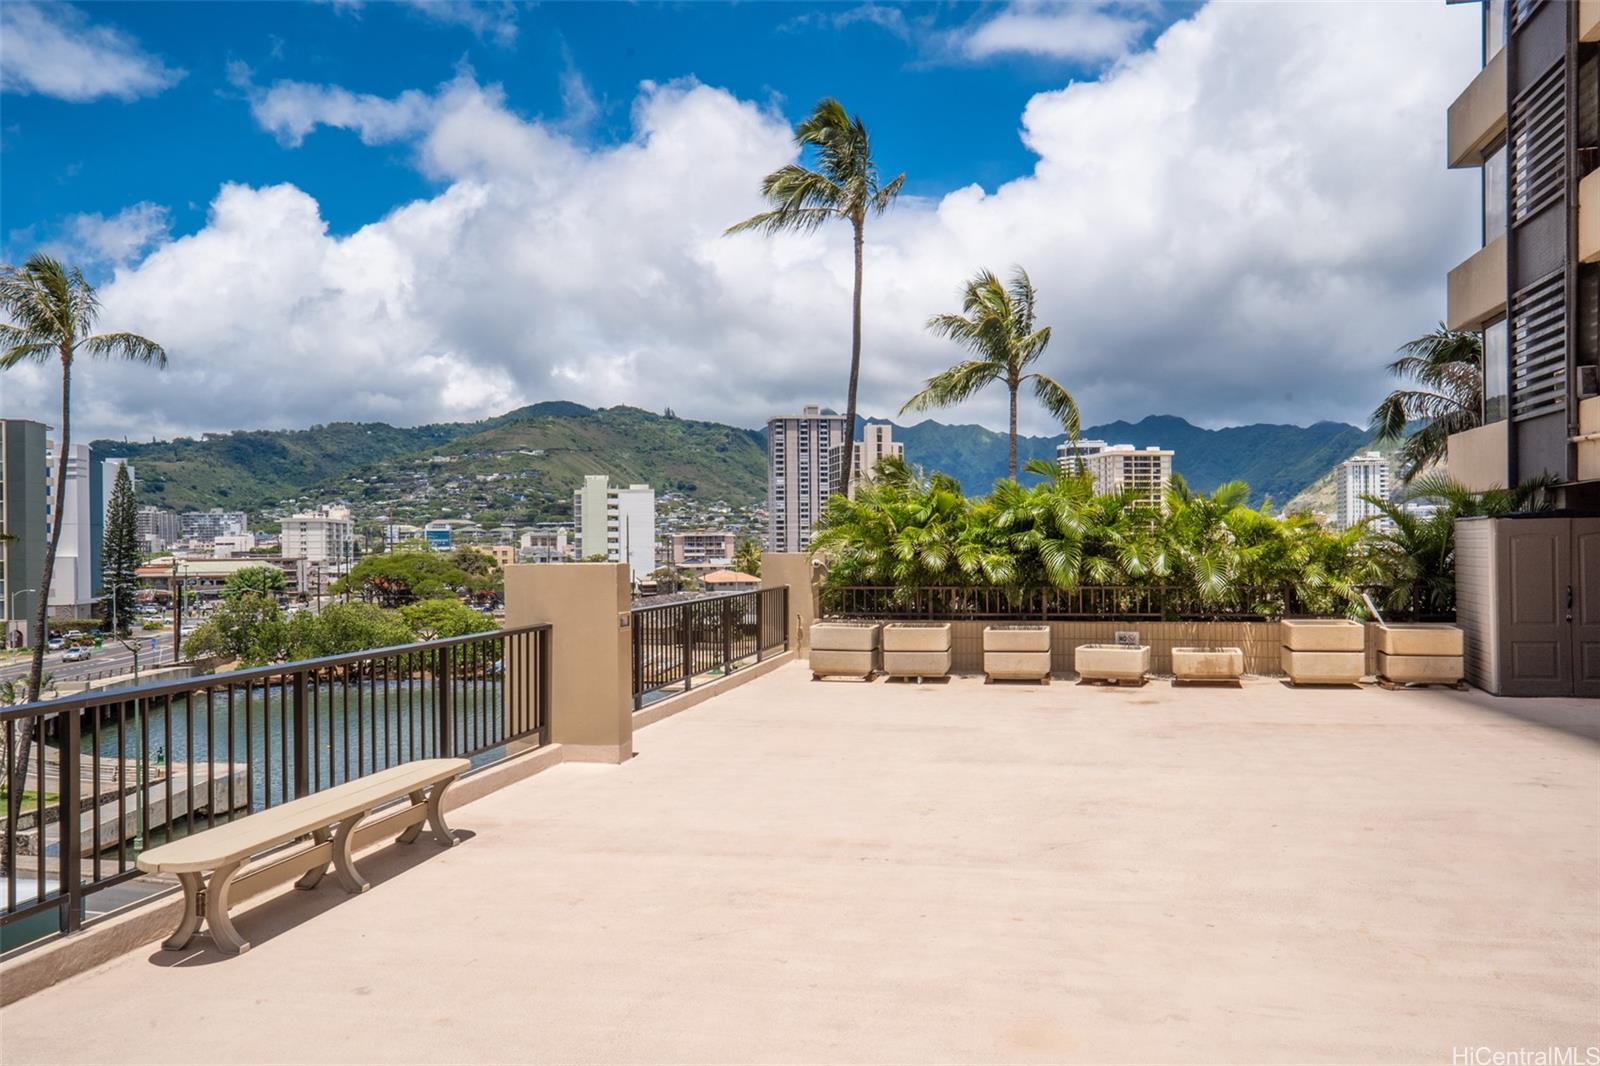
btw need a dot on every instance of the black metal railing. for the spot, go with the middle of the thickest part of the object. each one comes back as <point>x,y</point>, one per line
<point>1085,603</point>
<point>674,643</point>
<point>110,772</point>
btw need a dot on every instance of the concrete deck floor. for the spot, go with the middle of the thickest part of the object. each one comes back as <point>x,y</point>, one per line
<point>839,872</point>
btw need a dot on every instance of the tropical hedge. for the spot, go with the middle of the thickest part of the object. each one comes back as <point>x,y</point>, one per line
<point>1209,552</point>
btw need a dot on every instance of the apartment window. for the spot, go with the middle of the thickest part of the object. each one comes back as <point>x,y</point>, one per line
<point>1494,27</point>
<point>1495,371</point>
<point>1494,194</point>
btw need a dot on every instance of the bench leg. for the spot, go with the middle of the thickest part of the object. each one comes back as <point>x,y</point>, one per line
<point>223,934</point>
<point>344,868</point>
<point>312,878</point>
<point>193,911</point>
<point>436,814</point>
<point>418,798</point>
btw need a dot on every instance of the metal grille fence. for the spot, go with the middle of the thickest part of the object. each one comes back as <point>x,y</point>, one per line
<point>674,643</point>
<point>1085,603</point>
<point>93,779</point>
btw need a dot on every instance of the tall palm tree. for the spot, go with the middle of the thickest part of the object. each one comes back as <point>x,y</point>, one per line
<point>51,311</point>
<point>1446,365</point>
<point>844,185</point>
<point>997,326</point>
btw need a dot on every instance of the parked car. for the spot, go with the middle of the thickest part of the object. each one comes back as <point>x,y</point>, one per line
<point>75,655</point>
<point>55,644</point>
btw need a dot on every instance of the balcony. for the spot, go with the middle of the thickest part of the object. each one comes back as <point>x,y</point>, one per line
<point>1478,457</point>
<point>1478,115</point>
<point>1589,216</point>
<point>928,873</point>
<point>1476,290</point>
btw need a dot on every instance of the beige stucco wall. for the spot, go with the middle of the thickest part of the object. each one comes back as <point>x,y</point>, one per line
<point>1589,21</point>
<point>795,570</point>
<point>1475,291</point>
<point>586,604</point>
<point>1478,115</point>
<point>1477,458</point>
<point>1589,450</point>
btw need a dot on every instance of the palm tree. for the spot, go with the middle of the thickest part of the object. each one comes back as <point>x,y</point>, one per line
<point>1447,367</point>
<point>51,311</point>
<point>844,185</point>
<point>997,326</point>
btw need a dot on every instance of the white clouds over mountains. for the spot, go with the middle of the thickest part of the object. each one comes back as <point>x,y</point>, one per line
<point>1240,223</point>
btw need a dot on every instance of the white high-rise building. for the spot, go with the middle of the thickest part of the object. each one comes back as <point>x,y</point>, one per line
<point>1073,455</point>
<point>617,523</point>
<point>159,529</point>
<point>1121,468</point>
<point>1359,476</point>
<point>327,535</point>
<point>73,579</point>
<point>800,476</point>
<point>206,526</point>
<point>877,443</point>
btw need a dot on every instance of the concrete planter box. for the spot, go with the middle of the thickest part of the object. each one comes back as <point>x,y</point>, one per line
<point>1112,662</point>
<point>916,636</point>
<point>1421,669</point>
<point>844,649</point>
<point>1207,664</point>
<point>1410,640</point>
<point>1016,653</point>
<point>1322,634</point>
<point>917,649</point>
<point>1324,667</point>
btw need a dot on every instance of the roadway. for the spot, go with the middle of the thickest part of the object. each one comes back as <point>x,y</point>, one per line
<point>113,658</point>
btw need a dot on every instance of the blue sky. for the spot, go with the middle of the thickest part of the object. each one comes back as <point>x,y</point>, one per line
<point>409,211</point>
<point>945,120</point>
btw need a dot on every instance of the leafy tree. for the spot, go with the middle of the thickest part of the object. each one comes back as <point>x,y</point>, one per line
<point>443,618</point>
<point>265,581</point>
<point>997,326</point>
<point>1446,367</point>
<point>120,552</point>
<point>247,626</point>
<point>341,628</point>
<point>844,185</point>
<point>747,558</point>
<point>52,311</point>
<point>401,577</point>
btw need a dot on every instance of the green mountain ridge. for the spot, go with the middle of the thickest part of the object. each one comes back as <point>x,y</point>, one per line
<point>521,466</point>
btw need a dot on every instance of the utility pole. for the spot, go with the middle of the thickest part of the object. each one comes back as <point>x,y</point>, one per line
<point>177,612</point>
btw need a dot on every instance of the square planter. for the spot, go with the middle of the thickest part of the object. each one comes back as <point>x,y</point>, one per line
<point>1322,634</point>
<point>1112,662</point>
<point>1324,667</point>
<point>1399,670</point>
<point>1016,653</point>
<point>1207,664</point>
<point>1420,639</point>
<point>917,649</point>
<point>844,649</point>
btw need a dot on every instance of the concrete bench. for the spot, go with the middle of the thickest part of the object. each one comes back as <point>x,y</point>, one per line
<point>332,814</point>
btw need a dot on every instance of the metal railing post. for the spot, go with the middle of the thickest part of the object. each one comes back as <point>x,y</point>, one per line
<point>727,637</point>
<point>543,707</point>
<point>785,616</point>
<point>687,636</point>
<point>761,622</point>
<point>445,700</point>
<point>69,776</point>
<point>302,738</point>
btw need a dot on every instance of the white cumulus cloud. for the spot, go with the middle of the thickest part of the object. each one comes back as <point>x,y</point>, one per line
<point>1237,224</point>
<point>54,50</point>
<point>1079,31</point>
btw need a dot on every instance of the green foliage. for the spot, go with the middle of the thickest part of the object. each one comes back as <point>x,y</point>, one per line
<point>120,552</point>
<point>340,628</point>
<point>907,532</point>
<point>747,558</point>
<point>401,577</point>
<point>442,618</point>
<point>997,326</point>
<point>1446,365</point>
<point>261,580</point>
<point>248,626</point>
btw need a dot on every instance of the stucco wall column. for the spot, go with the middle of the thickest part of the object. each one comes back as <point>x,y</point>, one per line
<point>795,570</point>
<point>586,605</point>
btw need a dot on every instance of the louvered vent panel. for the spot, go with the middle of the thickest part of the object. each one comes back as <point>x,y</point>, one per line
<point>1538,147</point>
<point>1539,348</point>
<point>1522,10</point>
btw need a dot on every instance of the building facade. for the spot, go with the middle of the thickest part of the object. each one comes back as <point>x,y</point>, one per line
<point>73,581</point>
<point>545,546</point>
<point>877,443</point>
<point>203,527</point>
<point>801,474</point>
<point>1530,122</point>
<point>1360,476</point>
<point>617,523</point>
<point>1073,455</point>
<point>1121,468</point>
<point>159,529</point>
<point>327,535</point>
<point>22,467</point>
<point>704,548</point>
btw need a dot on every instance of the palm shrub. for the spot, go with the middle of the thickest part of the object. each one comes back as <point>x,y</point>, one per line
<point>1444,371</point>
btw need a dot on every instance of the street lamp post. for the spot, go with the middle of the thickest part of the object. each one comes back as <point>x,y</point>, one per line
<point>13,616</point>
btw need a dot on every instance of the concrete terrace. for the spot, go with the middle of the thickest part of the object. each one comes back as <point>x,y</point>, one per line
<point>844,872</point>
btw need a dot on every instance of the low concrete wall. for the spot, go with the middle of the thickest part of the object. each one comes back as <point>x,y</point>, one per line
<point>671,705</point>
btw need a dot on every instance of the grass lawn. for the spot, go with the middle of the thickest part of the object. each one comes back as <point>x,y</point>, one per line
<point>30,798</point>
